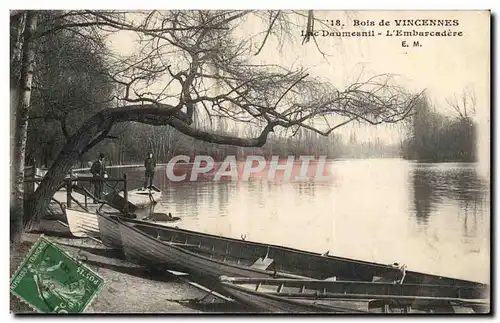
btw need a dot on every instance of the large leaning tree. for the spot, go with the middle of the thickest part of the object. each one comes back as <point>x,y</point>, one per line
<point>67,85</point>
<point>193,64</point>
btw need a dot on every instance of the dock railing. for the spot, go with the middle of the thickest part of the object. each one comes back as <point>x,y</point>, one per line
<point>71,184</point>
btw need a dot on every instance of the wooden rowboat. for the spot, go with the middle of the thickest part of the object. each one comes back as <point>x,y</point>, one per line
<point>297,295</point>
<point>142,198</point>
<point>81,223</point>
<point>209,257</point>
<point>110,232</point>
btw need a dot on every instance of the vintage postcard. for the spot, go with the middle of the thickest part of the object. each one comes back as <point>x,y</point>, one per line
<point>250,161</point>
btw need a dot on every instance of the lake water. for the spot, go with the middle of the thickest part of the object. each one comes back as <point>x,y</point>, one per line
<point>432,217</point>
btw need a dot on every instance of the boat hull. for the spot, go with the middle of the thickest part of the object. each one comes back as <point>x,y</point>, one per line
<point>82,224</point>
<point>356,289</point>
<point>142,198</point>
<point>279,295</point>
<point>109,231</point>
<point>144,249</point>
<point>212,256</point>
<point>271,304</point>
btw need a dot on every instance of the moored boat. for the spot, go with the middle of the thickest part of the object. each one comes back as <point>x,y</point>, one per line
<point>210,256</point>
<point>117,201</point>
<point>81,223</point>
<point>296,295</point>
<point>84,223</point>
<point>142,248</point>
<point>143,197</point>
<point>110,231</point>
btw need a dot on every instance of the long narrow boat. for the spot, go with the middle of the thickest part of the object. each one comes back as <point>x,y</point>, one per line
<point>110,232</point>
<point>297,295</point>
<point>208,256</point>
<point>82,223</point>
<point>117,201</point>
<point>143,197</point>
<point>136,199</point>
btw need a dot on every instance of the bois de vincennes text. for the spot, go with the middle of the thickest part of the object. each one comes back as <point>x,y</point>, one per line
<point>409,32</point>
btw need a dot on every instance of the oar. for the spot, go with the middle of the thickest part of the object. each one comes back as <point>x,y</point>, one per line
<point>151,198</point>
<point>151,208</point>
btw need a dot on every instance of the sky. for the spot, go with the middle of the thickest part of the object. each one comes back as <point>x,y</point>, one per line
<point>442,66</point>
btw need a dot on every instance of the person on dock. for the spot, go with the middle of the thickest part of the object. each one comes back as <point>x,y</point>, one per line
<point>150,165</point>
<point>98,171</point>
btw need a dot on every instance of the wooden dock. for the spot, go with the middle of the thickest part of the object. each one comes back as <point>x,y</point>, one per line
<point>73,205</point>
<point>77,194</point>
<point>60,198</point>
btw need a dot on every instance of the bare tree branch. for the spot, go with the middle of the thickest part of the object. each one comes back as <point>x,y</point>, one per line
<point>208,54</point>
<point>268,32</point>
<point>465,105</point>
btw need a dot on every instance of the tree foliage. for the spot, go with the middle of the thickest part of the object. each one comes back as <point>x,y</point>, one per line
<point>434,137</point>
<point>69,87</point>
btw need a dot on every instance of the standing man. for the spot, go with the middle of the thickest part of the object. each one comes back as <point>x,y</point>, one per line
<point>98,171</point>
<point>150,165</point>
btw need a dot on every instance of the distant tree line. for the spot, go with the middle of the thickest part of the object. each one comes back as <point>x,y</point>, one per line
<point>434,137</point>
<point>135,140</point>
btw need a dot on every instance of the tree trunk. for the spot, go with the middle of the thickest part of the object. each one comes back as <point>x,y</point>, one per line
<point>21,130</point>
<point>75,147</point>
<point>39,201</point>
<point>16,41</point>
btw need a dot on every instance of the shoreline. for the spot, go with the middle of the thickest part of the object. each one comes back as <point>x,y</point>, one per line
<point>42,171</point>
<point>128,288</point>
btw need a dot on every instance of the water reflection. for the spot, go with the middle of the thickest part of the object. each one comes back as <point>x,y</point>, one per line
<point>307,189</point>
<point>451,186</point>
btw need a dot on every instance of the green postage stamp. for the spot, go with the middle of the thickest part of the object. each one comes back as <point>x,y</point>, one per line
<point>50,281</point>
